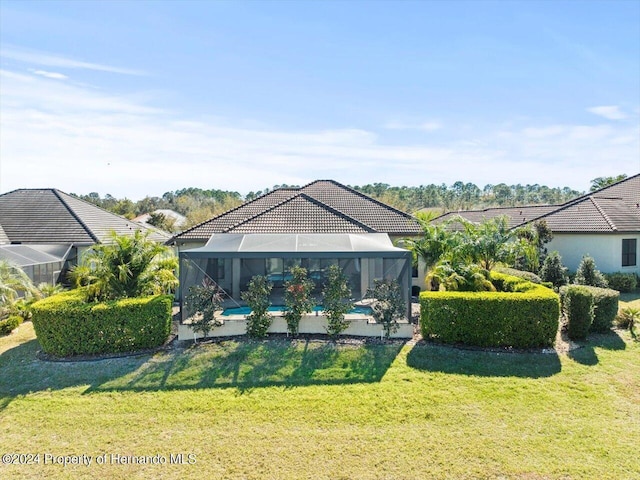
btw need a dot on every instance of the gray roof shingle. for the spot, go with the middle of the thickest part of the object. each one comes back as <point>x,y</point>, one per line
<point>46,216</point>
<point>323,206</point>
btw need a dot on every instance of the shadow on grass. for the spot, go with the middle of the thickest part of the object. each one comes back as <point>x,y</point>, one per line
<point>246,365</point>
<point>241,364</point>
<point>447,359</point>
<point>586,354</point>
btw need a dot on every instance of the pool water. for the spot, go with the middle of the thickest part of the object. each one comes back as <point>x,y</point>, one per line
<point>361,309</point>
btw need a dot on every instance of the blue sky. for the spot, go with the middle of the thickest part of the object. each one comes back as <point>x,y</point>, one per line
<point>139,98</point>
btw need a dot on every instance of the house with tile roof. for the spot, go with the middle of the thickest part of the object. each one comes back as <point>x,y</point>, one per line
<point>320,224</point>
<point>604,224</point>
<point>323,206</point>
<point>45,230</point>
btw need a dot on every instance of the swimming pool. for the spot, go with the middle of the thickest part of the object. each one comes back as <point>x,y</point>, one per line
<point>358,309</point>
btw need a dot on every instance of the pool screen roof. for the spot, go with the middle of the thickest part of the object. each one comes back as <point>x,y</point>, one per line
<point>292,245</point>
<point>26,255</point>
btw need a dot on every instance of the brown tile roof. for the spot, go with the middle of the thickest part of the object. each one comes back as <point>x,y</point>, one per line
<point>323,206</point>
<point>612,209</point>
<point>48,216</point>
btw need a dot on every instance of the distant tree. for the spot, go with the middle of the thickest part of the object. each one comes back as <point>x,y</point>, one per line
<point>161,221</point>
<point>601,182</point>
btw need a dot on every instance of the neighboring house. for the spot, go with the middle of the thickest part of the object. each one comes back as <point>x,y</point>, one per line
<point>173,216</point>
<point>604,224</point>
<point>45,231</point>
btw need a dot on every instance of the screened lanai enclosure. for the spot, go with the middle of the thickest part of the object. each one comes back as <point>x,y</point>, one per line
<point>232,260</point>
<point>41,263</point>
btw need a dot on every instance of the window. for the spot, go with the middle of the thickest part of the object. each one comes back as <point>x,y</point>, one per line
<point>629,249</point>
<point>414,271</point>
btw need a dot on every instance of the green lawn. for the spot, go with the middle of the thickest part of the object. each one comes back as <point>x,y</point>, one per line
<point>278,409</point>
<point>631,299</point>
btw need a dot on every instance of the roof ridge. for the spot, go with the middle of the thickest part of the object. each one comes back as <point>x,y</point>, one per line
<point>363,195</point>
<point>600,190</point>
<point>604,215</point>
<point>226,212</point>
<point>57,193</point>
<point>340,212</point>
<point>311,199</point>
<point>268,209</point>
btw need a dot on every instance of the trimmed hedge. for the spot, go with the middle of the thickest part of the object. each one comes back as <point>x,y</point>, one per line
<point>623,282</point>
<point>9,324</point>
<point>531,277</point>
<point>605,306</point>
<point>522,315</point>
<point>578,309</point>
<point>66,324</point>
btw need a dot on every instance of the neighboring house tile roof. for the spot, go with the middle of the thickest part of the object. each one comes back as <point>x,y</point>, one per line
<point>612,209</point>
<point>515,215</point>
<point>323,206</point>
<point>48,216</point>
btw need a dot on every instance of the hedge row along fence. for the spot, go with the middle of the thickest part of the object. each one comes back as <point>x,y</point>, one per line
<point>588,309</point>
<point>521,314</point>
<point>67,325</point>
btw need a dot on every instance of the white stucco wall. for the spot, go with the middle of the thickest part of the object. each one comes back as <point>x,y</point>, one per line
<point>606,250</point>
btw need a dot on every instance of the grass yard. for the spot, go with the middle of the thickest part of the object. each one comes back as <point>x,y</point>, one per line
<point>293,410</point>
<point>631,299</point>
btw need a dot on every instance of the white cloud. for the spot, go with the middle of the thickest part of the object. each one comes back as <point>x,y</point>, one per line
<point>429,126</point>
<point>52,60</point>
<point>56,134</point>
<point>54,75</point>
<point>610,112</point>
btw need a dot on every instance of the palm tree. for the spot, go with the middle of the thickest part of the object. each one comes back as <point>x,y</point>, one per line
<point>489,243</point>
<point>14,283</point>
<point>437,240</point>
<point>130,266</point>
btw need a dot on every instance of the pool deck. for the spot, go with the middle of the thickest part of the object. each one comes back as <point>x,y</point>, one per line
<point>360,325</point>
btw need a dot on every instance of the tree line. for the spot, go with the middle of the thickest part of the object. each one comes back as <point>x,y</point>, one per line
<point>199,204</point>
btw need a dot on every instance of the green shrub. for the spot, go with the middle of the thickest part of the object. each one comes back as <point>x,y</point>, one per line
<point>623,282</point>
<point>67,325</point>
<point>389,306</point>
<point>201,305</point>
<point>588,274</point>
<point>258,299</point>
<point>554,271</point>
<point>522,315</point>
<point>529,276</point>
<point>627,318</point>
<point>9,324</point>
<point>336,300</point>
<point>578,309</point>
<point>297,298</point>
<point>605,305</point>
